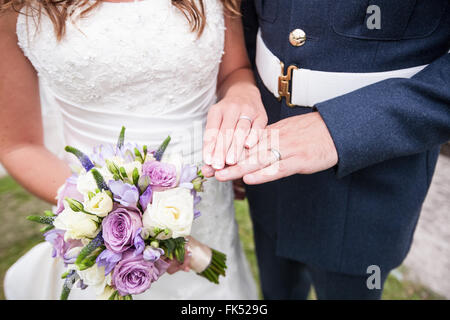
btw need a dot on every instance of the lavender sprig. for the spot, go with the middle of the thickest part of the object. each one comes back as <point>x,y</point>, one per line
<point>101,184</point>
<point>89,248</point>
<point>84,159</point>
<point>160,151</point>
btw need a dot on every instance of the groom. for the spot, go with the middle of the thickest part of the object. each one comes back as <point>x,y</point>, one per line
<point>360,108</point>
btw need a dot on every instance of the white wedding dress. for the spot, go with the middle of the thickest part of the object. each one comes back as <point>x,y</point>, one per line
<point>135,64</point>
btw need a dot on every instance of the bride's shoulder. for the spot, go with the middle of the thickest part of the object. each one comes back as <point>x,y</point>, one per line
<point>8,21</point>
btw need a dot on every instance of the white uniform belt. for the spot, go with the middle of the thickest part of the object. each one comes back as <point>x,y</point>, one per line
<point>310,87</point>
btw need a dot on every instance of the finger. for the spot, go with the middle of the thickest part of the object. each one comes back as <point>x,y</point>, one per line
<point>187,262</point>
<point>255,161</point>
<point>237,145</point>
<point>208,171</point>
<point>257,129</point>
<point>275,171</point>
<point>224,139</point>
<point>214,120</point>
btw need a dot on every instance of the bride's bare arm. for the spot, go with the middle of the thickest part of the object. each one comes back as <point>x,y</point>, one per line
<point>22,152</point>
<point>226,131</point>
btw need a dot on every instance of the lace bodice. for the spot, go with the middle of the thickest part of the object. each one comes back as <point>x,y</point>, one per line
<point>138,56</point>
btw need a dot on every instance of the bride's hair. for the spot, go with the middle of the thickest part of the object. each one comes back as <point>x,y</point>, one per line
<point>60,10</point>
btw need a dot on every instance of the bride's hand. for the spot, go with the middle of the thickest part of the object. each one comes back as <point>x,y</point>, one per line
<point>232,124</point>
<point>175,266</point>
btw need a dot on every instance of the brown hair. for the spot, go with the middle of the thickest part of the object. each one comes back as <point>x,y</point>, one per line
<point>60,10</point>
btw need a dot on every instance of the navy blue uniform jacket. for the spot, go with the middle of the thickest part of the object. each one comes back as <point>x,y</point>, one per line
<point>365,210</point>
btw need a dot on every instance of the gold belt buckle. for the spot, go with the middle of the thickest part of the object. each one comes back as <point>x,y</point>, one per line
<point>284,84</point>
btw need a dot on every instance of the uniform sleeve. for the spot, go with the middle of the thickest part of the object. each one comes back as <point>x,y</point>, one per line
<point>251,25</point>
<point>390,119</point>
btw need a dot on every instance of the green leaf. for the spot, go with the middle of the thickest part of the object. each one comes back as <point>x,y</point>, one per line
<point>112,167</point>
<point>121,139</point>
<point>123,173</point>
<point>135,176</point>
<point>47,228</point>
<point>49,213</point>
<point>138,155</point>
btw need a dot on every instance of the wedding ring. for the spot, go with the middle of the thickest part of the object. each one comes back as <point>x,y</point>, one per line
<point>246,118</point>
<point>277,154</point>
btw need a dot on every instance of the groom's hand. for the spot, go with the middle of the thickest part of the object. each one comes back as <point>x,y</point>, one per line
<point>303,142</point>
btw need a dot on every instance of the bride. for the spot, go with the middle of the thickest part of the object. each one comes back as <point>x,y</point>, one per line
<point>154,66</point>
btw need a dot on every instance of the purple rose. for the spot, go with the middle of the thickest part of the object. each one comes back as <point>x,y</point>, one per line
<point>68,190</point>
<point>124,193</point>
<point>134,275</point>
<point>108,259</point>
<point>160,174</point>
<point>120,228</point>
<point>56,238</point>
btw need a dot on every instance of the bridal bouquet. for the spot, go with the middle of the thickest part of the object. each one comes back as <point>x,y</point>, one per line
<point>124,218</point>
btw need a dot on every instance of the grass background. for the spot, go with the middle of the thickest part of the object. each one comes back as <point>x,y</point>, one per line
<point>19,235</point>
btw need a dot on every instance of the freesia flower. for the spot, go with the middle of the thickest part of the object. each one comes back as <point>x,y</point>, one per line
<point>188,173</point>
<point>108,259</point>
<point>139,243</point>
<point>60,247</point>
<point>146,198</point>
<point>67,190</point>
<point>152,254</point>
<point>124,193</point>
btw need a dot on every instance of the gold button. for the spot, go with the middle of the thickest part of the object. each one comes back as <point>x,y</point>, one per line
<point>297,37</point>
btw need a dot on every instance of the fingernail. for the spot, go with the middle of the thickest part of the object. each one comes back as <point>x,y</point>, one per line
<point>208,159</point>
<point>217,166</point>
<point>249,143</point>
<point>230,160</point>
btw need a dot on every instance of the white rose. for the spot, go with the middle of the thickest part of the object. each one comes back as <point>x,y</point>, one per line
<point>101,204</point>
<point>77,225</point>
<point>94,277</point>
<point>172,209</point>
<point>86,182</point>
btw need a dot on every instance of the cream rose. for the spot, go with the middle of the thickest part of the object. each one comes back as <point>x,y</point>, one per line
<point>101,204</point>
<point>172,209</point>
<point>94,277</point>
<point>77,225</point>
